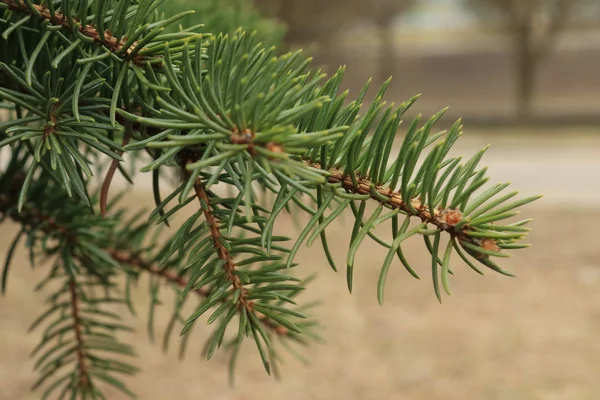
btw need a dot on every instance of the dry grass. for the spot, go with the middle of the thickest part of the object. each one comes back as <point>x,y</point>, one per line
<point>535,337</point>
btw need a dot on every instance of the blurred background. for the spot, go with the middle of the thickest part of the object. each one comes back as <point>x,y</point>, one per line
<point>492,61</point>
<point>524,76</point>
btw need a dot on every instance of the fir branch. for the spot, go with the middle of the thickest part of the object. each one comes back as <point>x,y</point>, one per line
<point>223,111</point>
<point>247,137</point>
<point>444,219</point>
<point>31,216</point>
<point>107,40</point>
<point>50,127</point>
<point>83,373</point>
<point>222,251</point>
<point>134,260</point>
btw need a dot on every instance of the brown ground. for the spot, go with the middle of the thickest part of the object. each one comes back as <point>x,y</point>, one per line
<point>534,337</point>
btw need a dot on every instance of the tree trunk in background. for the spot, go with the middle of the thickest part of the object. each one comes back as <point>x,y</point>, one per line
<point>387,51</point>
<point>526,68</point>
<point>384,17</point>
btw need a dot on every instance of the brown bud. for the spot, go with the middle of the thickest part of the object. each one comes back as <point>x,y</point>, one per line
<point>281,330</point>
<point>450,217</point>
<point>489,244</point>
<point>275,147</point>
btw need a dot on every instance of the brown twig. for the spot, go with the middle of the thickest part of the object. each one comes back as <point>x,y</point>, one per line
<point>222,252</point>
<point>109,176</point>
<point>443,219</point>
<point>84,378</point>
<point>136,261</point>
<point>31,216</point>
<point>247,137</point>
<point>51,127</point>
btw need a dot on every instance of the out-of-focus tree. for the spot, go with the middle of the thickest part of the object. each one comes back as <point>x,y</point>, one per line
<point>225,16</point>
<point>533,27</point>
<point>383,13</point>
<point>334,16</point>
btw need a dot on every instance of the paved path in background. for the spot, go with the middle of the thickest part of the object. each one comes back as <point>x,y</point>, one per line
<point>566,170</point>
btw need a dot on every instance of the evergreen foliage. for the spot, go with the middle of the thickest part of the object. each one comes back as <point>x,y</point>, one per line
<point>226,16</point>
<point>85,81</point>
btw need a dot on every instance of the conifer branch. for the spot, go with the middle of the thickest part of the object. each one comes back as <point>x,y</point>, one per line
<point>216,110</point>
<point>136,261</point>
<point>222,251</point>
<point>105,39</point>
<point>247,136</point>
<point>443,219</point>
<point>33,217</point>
<point>132,259</point>
<point>83,375</point>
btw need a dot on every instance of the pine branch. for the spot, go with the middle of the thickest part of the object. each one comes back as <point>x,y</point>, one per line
<point>78,312</point>
<point>37,220</point>
<point>105,38</point>
<point>135,260</point>
<point>132,259</point>
<point>444,219</point>
<point>224,111</point>
<point>222,252</point>
<point>32,217</point>
<point>84,378</point>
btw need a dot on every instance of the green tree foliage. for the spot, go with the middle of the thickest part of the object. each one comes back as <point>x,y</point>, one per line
<point>86,81</point>
<point>335,16</point>
<point>226,16</point>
